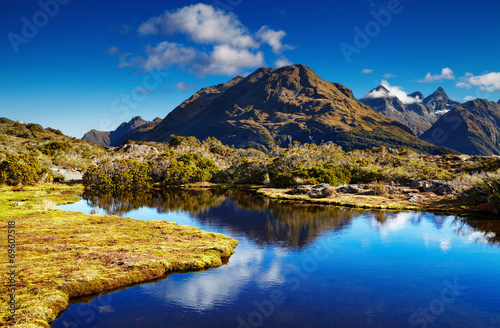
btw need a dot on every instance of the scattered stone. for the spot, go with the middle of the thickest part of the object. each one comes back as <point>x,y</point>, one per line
<point>351,189</point>
<point>413,199</point>
<point>301,190</point>
<point>439,187</point>
<point>68,174</point>
<point>18,204</point>
<point>415,184</point>
<point>135,149</point>
<point>321,191</point>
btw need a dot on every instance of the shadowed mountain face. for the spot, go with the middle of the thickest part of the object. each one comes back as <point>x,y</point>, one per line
<point>112,138</point>
<point>282,105</point>
<point>471,128</point>
<point>418,115</point>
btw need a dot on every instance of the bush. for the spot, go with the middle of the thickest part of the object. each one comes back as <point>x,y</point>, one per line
<point>21,170</point>
<point>190,168</point>
<point>55,147</point>
<point>34,127</point>
<point>122,174</point>
<point>331,174</point>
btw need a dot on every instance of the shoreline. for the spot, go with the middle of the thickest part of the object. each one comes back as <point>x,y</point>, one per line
<point>428,201</point>
<point>62,255</point>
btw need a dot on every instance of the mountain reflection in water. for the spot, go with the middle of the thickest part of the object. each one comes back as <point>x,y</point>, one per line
<point>266,221</point>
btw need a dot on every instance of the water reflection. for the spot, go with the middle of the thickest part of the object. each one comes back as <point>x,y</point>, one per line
<point>281,223</point>
<point>262,220</point>
<point>378,269</point>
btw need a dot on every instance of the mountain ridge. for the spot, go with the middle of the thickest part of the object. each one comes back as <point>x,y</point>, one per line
<point>112,138</point>
<point>472,128</point>
<point>418,115</point>
<point>276,106</point>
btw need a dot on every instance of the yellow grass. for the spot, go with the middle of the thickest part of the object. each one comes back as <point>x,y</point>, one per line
<point>65,254</point>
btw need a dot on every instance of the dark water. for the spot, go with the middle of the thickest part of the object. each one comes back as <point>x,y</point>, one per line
<point>307,266</point>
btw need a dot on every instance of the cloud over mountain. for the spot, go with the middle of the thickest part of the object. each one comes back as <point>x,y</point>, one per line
<point>394,91</point>
<point>217,42</point>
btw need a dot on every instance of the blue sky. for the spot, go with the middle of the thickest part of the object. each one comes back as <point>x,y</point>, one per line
<point>78,65</point>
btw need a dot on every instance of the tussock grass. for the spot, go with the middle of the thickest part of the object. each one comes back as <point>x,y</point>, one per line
<point>67,254</point>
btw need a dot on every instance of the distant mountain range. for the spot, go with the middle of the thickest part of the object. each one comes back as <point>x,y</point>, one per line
<point>471,128</point>
<point>279,106</point>
<point>115,138</point>
<point>418,113</point>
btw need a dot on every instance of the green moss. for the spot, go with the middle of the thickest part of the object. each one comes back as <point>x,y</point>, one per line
<point>66,254</point>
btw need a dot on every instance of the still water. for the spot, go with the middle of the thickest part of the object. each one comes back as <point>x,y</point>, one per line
<point>307,266</point>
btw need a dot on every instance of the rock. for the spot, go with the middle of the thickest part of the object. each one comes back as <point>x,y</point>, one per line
<point>321,191</point>
<point>414,184</point>
<point>413,199</point>
<point>135,149</point>
<point>94,211</point>
<point>351,189</point>
<point>439,187</point>
<point>301,190</point>
<point>18,204</point>
<point>68,174</point>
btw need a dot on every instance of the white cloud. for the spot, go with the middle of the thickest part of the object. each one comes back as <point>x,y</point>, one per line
<point>113,50</point>
<point>282,62</point>
<point>183,87</point>
<point>389,75</point>
<point>142,91</point>
<point>489,82</point>
<point>446,74</point>
<point>203,24</point>
<point>367,71</point>
<point>394,91</point>
<point>273,38</point>
<point>219,44</point>
<point>467,98</point>
<point>166,54</point>
<point>227,60</point>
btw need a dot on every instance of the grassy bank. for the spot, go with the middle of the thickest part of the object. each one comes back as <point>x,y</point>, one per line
<point>428,202</point>
<point>67,254</point>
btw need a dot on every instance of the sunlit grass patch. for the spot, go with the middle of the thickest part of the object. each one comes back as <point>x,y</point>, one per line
<point>66,254</point>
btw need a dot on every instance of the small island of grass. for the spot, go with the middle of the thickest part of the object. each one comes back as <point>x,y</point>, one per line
<point>61,254</point>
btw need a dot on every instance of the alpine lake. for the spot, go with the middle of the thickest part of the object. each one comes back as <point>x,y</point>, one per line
<point>300,265</point>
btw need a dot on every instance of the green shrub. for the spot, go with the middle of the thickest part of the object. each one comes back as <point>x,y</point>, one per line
<point>55,147</point>
<point>190,168</point>
<point>21,170</point>
<point>331,174</point>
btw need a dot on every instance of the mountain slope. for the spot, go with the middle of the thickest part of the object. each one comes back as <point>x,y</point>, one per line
<point>418,115</point>
<point>471,128</point>
<point>111,138</point>
<point>141,129</point>
<point>282,105</point>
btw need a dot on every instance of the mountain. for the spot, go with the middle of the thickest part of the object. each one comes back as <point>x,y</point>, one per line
<point>471,128</point>
<point>111,138</point>
<point>439,102</point>
<point>418,113</point>
<point>143,128</point>
<point>277,106</point>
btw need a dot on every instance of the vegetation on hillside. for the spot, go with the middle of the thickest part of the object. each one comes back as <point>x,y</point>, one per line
<point>29,151</point>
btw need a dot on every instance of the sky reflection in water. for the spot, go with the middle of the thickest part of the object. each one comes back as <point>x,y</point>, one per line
<point>322,267</point>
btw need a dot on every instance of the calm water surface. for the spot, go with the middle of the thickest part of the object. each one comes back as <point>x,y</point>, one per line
<point>307,266</point>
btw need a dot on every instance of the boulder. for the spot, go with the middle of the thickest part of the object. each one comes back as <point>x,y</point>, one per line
<point>321,191</point>
<point>301,190</point>
<point>351,189</point>
<point>439,187</point>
